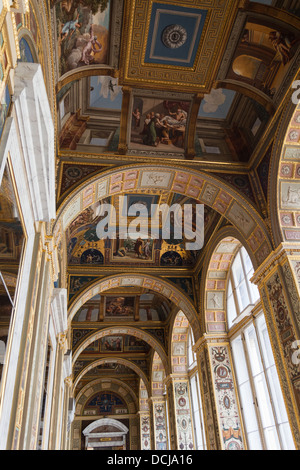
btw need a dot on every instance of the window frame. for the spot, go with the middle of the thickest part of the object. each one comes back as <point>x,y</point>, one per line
<point>239,310</point>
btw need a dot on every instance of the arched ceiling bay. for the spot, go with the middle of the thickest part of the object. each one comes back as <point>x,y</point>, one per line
<point>167,102</point>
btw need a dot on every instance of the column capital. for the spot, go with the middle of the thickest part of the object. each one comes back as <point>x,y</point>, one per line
<point>207,339</point>
<point>143,413</point>
<point>172,377</point>
<point>69,381</point>
<point>62,342</point>
<point>275,258</point>
<point>156,400</point>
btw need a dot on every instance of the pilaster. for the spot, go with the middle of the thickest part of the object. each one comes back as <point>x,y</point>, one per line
<point>180,412</point>
<point>160,424</point>
<point>278,282</point>
<point>222,417</point>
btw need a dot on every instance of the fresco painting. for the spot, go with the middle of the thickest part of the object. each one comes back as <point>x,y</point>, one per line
<point>119,306</point>
<point>25,51</point>
<point>159,123</point>
<point>105,93</point>
<point>82,33</point>
<point>217,104</point>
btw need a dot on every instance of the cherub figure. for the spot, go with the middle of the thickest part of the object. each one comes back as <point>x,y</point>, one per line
<point>137,118</point>
<point>89,49</point>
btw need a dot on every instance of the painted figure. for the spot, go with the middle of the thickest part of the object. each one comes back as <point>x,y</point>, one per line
<point>147,249</point>
<point>137,118</point>
<point>282,45</point>
<point>138,247</point>
<point>70,27</point>
<point>90,49</point>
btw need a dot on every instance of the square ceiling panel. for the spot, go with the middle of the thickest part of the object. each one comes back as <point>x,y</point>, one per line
<point>174,34</point>
<point>175,45</point>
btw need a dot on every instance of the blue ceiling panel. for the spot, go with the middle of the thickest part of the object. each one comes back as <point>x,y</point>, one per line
<point>174,35</point>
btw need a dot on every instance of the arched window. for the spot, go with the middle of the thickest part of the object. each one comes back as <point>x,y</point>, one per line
<point>262,405</point>
<point>196,402</point>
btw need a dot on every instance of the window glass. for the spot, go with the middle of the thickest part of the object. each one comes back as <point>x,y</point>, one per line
<point>274,385</point>
<point>261,399</point>
<point>197,414</point>
<point>237,270</point>
<point>191,354</point>
<point>247,261</point>
<point>263,408</point>
<point>231,308</point>
<point>246,395</point>
<point>253,351</point>
<point>242,295</point>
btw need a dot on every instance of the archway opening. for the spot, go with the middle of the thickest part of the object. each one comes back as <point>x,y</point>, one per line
<point>106,434</point>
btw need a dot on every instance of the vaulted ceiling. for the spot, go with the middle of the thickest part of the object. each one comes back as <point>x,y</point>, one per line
<point>211,77</point>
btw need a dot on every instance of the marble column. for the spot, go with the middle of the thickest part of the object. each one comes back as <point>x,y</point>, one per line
<point>57,397</point>
<point>28,385</point>
<point>33,390</point>
<point>68,414</point>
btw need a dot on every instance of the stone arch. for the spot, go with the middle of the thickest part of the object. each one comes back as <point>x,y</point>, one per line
<point>132,331</point>
<point>143,396</point>
<point>215,279</point>
<point>285,209</point>
<point>104,422</point>
<point>82,72</point>
<point>26,34</point>
<point>158,376</point>
<point>203,187</point>
<point>153,283</point>
<point>103,384</point>
<point>109,360</point>
<point>178,344</point>
<point>249,91</point>
<point>117,429</point>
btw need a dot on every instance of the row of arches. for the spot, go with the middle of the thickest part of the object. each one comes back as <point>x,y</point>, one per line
<point>184,374</point>
<point>189,390</point>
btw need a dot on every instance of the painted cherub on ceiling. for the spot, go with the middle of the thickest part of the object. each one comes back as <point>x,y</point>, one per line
<point>82,33</point>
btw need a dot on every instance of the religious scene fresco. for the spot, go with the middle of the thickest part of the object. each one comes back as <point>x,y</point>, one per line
<point>118,343</point>
<point>158,123</point>
<point>82,33</point>
<point>145,306</point>
<point>85,248</point>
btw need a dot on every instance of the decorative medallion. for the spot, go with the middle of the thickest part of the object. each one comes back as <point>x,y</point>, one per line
<point>182,401</point>
<point>222,372</point>
<point>233,445</point>
<point>226,402</point>
<point>174,36</point>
